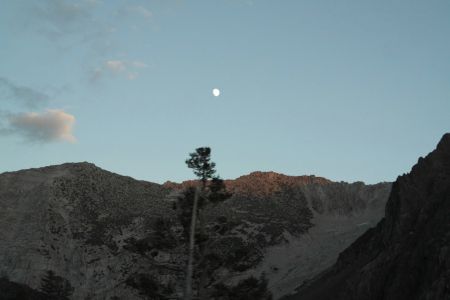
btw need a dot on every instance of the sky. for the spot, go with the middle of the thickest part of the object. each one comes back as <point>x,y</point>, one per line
<point>347,90</point>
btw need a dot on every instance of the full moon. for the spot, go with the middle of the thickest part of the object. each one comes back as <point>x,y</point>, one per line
<point>216,92</point>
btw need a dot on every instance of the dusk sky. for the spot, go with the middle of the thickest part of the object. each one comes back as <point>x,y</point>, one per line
<point>347,90</point>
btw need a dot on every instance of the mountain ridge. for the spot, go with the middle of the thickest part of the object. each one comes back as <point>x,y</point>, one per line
<point>95,227</point>
<point>407,255</point>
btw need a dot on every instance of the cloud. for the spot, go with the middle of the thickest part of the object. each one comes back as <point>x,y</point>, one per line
<point>133,11</point>
<point>25,96</point>
<point>52,125</point>
<point>142,11</point>
<point>90,22</point>
<point>59,18</point>
<point>93,27</point>
<point>116,66</point>
<point>67,24</point>
<point>121,68</point>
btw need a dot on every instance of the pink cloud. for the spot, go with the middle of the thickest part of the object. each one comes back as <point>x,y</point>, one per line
<point>52,125</point>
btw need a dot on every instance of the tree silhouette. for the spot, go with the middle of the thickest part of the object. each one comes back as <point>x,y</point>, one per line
<point>55,287</point>
<point>211,191</point>
<point>200,161</point>
<point>250,288</point>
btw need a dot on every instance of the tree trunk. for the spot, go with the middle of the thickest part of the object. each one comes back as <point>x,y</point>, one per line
<point>203,272</point>
<point>190,265</point>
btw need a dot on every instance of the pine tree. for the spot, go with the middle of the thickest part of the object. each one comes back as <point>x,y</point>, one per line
<point>55,287</point>
<point>211,190</point>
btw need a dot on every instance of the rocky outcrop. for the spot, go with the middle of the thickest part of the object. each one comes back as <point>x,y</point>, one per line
<point>407,256</point>
<point>108,234</point>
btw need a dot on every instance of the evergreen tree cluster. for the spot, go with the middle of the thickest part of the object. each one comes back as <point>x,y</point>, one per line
<point>250,288</point>
<point>55,287</point>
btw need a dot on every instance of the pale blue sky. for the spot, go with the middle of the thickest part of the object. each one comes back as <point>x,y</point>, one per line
<point>348,90</point>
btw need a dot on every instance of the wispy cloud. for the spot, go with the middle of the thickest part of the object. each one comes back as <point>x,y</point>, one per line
<point>68,24</point>
<point>134,11</point>
<point>93,27</point>
<point>50,126</point>
<point>22,95</point>
<point>121,68</point>
<point>141,11</point>
<point>59,18</point>
<point>84,21</point>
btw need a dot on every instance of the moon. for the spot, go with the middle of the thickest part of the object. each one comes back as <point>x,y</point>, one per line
<point>216,92</point>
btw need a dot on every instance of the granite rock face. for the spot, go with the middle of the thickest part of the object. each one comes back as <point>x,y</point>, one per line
<point>97,229</point>
<point>74,219</point>
<point>407,256</point>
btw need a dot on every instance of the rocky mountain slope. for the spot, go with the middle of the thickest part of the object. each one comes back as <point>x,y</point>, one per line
<point>303,221</point>
<point>111,236</point>
<point>407,255</point>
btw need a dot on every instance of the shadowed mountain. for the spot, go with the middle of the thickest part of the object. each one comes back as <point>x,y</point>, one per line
<point>407,256</point>
<point>15,291</point>
<point>113,236</point>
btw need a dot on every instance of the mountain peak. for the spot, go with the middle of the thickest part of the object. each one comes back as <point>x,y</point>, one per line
<point>264,183</point>
<point>274,176</point>
<point>444,144</point>
<point>260,183</point>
